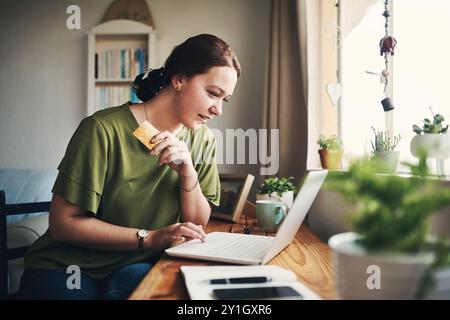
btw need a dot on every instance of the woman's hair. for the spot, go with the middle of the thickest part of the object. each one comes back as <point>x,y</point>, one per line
<point>194,56</point>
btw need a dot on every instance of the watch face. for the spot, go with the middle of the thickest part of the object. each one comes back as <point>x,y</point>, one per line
<point>143,233</point>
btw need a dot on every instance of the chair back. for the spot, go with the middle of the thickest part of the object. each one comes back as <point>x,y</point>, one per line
<point>13,253</point>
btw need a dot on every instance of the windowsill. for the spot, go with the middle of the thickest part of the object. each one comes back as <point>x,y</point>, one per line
<point>403,174</point>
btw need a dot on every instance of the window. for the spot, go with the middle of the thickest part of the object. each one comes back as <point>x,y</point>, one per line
<point>419,76</point>
<point>362,92</point>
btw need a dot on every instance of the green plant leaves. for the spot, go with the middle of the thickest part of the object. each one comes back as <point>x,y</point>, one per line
<point>417,129</point>
<point>331,143</point>
<point>383,141</point>
<point>432,127</point>
<point>277,185</point>
<point>393,212</point>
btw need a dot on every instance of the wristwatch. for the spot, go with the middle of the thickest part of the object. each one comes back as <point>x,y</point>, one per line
<point>142,234</point>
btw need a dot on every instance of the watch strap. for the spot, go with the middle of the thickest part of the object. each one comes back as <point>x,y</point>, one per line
<point>141,244</point>
<point>141,240</point>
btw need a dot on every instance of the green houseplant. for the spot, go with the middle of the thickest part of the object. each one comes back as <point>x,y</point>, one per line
<point>281,189</point>
<point>433,139</point>
<point>390,225</point>
<point>383,150</point>
<point>331,152</point>
<point>437,126</point>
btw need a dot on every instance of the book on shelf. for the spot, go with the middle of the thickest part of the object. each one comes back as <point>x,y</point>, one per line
<point>199,286</point>
<point>110,96</point>
<point>120,63</point>
<point>96,66</point>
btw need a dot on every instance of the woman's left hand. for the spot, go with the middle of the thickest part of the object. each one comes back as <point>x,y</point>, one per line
<point>173,152</point>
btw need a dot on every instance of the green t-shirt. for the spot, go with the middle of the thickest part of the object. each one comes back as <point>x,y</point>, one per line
<point>109,172</point>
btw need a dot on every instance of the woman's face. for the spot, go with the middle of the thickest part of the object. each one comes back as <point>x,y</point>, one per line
<point>201,97</point>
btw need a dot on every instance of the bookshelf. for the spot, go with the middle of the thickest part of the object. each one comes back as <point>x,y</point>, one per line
<point>118,51</point>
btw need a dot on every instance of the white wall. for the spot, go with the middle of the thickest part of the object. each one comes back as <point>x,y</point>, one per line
<point>43,68</point>
<point>42,79</point>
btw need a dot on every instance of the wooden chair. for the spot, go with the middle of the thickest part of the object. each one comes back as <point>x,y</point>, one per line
<point>10,254</point>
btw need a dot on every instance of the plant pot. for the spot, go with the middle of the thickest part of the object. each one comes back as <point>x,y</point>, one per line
<point>388,160</point>
<point>399,274</point>
<point>331,159</point>
<point>435,145</point>
<point>287,198</point>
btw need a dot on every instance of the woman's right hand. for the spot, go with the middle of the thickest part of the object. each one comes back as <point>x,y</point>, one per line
<point>173,234</point>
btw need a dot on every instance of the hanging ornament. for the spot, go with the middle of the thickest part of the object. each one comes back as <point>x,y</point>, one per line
<point>387,47</point>
<point>334,91</point>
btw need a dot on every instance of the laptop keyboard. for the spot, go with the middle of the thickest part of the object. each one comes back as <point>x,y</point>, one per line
<point>239,247</point>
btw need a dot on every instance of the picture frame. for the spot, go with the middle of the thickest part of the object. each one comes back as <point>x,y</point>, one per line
<point>234,194</point>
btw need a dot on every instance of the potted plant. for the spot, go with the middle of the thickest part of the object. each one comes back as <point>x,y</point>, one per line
<point>436,127</point>
<point>331,152</point>
<point>432,139</point>
<point>383,151</point>
<point>277,189</point>
<point>389,254</point>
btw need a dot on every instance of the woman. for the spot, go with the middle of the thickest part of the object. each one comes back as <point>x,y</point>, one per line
<point>116,206</point>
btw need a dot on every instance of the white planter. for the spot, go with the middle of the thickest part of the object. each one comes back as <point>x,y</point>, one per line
<point>389,159</point>
<point>436,146</point>
<point>399,274</point>
<point>287,198</point>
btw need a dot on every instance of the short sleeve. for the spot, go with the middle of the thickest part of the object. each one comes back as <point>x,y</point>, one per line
<point>83,168</point>
<point>208,174</point>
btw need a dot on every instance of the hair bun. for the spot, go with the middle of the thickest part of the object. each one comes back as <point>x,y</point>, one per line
<point>148,84</point>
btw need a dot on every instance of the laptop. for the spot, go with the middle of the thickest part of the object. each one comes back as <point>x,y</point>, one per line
<point>247,249</point>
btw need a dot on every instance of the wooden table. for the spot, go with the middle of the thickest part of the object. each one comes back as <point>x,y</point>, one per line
<point>307,256</point>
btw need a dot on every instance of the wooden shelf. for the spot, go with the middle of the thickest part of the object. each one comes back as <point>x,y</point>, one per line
<point>114,80</point>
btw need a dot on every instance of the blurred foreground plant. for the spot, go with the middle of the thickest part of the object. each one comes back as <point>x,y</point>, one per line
<point>393,213</point>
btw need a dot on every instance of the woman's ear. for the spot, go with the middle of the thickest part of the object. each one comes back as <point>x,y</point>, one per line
<point>178,81</point>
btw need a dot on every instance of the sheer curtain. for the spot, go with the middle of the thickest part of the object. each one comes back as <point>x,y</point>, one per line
<point>355,11</point>
<point>309,27</point>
